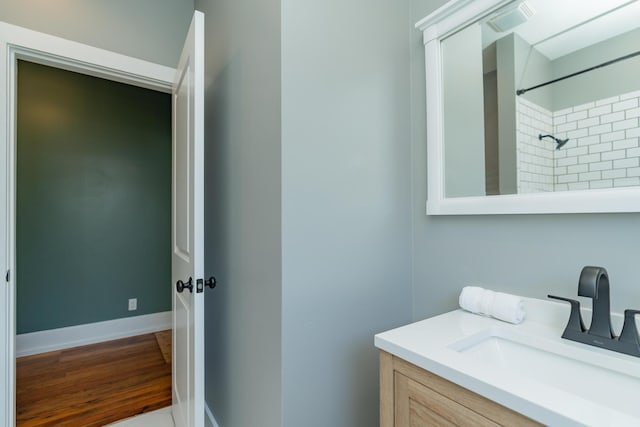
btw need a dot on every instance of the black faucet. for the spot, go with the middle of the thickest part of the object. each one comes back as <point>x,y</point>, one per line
<point>594,284</point>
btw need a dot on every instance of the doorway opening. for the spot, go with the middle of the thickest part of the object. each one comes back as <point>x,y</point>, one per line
<point>93,234</point>
<point>185,83</point>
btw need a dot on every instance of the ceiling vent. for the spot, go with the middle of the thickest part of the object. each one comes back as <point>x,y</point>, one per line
<point>511,18</point>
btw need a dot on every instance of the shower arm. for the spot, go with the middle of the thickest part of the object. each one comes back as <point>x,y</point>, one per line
<point>558,141</point>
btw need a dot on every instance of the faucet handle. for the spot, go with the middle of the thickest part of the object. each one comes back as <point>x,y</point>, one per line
<point>575,322</point>
<point>629,330</point>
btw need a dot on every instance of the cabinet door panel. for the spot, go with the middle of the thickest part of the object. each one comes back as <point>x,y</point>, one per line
<point>413,397</point>
<point>420,406</point>
<point>421,416</point>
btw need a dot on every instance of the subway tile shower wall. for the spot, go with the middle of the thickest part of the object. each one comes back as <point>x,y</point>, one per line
<point>603,149</point>
<point>535,169</point>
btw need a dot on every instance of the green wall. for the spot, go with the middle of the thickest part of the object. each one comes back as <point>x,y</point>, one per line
<point>93,199</point>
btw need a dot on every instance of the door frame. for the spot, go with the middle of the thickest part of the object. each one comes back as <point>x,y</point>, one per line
<point>21,43</point>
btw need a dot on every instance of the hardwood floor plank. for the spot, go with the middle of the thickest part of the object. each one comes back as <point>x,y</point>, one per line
<point>92,385</point>
<point>164,341</point>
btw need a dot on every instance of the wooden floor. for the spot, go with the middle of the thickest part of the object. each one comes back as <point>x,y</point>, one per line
<point>94,385</point>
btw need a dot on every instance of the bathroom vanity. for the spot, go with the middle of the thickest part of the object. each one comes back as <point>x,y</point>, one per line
<point>412,396</point>
<point>463,369</point>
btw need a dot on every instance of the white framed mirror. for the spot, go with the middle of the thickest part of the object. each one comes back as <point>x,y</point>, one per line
<point>533,106</point>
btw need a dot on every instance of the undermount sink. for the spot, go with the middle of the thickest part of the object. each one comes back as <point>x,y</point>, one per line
<point>599,376</point>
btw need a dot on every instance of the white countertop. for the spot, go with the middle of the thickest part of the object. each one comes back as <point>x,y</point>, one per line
<point>431,344</point>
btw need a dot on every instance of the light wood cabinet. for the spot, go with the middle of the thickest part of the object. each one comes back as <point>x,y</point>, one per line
<point>413,397</point>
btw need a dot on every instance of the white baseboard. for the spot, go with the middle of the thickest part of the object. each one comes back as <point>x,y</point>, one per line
<point>91,333</point>
<point>210,420</point>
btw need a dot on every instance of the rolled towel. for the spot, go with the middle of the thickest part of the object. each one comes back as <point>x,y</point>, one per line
<point>506,307</point>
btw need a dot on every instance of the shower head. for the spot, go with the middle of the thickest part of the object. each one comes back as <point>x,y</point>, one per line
<point>560,142</point>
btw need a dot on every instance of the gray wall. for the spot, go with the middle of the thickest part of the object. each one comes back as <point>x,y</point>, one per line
<point>602,83</point>
<point>153,30</point>
<point>507,150</point>
<point>243,211</point>
<point>519,66</point>
<point>532,69</point>
<point>345,203</point>
<point>93,199</point>
<point>530,255</point>
<point>491,129</point>
<point>462,81</point>
<point>337,270</point>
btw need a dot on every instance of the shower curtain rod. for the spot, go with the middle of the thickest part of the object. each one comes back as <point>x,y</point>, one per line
<point>604,64</point>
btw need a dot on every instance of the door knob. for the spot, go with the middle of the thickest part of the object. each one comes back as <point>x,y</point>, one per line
<point>181,286</point>
<point>211,282</point>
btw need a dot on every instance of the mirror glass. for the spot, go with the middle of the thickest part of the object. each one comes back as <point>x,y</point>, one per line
<point>543,96</point>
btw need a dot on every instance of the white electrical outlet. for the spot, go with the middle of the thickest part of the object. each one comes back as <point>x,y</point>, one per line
<point>133,304</point>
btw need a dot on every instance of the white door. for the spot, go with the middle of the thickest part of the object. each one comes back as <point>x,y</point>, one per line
<point>187,260</point>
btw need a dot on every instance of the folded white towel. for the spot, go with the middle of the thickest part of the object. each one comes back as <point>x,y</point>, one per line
<point>506,307</point>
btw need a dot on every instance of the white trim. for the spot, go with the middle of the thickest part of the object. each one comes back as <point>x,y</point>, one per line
<point>210,420</point>
<point>610,200</point>
<point>73,56</point>
<point>444,21</point>
<point>91,333</point>
<point>20,43</point>
<point>454,15</point>
<point>434,97</point>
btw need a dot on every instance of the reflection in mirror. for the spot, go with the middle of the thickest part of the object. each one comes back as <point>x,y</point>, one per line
<point>543,96</point>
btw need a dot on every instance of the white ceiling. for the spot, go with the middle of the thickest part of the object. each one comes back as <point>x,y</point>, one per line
<point>560,27</point>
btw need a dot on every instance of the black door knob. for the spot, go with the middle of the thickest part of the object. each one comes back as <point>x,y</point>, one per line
<point>181,286</point>
<point>211,282</point>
